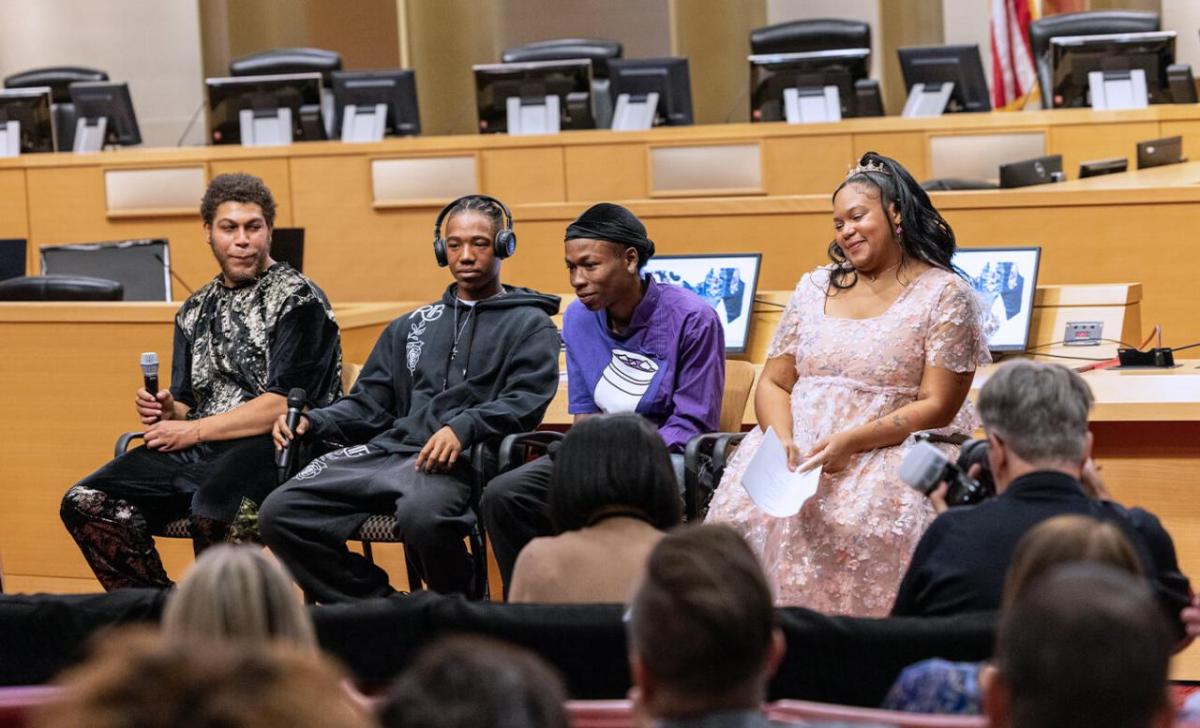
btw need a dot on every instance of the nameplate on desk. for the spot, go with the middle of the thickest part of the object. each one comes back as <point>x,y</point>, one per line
<point>153,192</point>
<point>706,169</point>
<point>423,181</point>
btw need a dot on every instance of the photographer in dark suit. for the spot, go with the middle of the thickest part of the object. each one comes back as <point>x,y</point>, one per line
<point>1039,453</point>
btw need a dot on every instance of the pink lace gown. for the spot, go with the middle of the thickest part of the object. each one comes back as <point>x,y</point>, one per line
<point>847,549</point>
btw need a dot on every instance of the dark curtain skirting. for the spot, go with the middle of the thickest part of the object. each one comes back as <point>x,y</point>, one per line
<point>829,659</point>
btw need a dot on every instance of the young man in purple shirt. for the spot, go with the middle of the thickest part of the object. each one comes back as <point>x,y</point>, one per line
<point>632,345</point>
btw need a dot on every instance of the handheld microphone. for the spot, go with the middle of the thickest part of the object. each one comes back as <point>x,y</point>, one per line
<point>149,365</point>
<point>295,408</point>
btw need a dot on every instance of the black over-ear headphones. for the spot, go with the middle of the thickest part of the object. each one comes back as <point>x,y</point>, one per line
<point>503,245</point>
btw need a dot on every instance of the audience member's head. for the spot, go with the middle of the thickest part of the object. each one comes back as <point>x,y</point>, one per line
<point>465,682</point>
<point>138,678</point>
<point>702,630</point>
<point>1063,540</point>
<point>612,465</point>
<point>238,593</point>
<point>1036,417</point>
<point>1086,645</point>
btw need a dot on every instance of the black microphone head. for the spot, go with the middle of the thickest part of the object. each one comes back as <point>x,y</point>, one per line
<point>297,398</point>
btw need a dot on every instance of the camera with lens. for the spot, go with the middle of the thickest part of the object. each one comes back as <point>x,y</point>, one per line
<point>925,466</point>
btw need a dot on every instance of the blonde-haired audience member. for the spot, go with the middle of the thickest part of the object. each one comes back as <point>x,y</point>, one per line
<point>148,680</point>
<point>941,686</point>
<point>241,594</point>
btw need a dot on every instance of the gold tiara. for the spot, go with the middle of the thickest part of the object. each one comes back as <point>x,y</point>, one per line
<point>868,167</point>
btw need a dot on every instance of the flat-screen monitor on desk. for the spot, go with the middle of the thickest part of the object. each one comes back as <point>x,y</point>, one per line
<point>667,77</point>
<point>107,103</point>
<point>1029,172</point>
<point>1160,152</point>
<point>728,283</point>
<point>1004,280</point>
<point>957,64</point>
<point>30,108</point>
<point>142,266</point>
<point>1073,57</point>
<point>12,258</point>
<point>534,97</point>
<point>772,74</point>
<point>395,89</point>
<point>259,102</point>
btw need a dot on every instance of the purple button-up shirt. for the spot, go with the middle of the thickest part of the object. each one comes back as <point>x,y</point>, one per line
<point>668,366</point>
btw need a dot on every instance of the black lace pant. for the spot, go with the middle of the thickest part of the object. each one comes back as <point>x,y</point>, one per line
<point>112,513</point>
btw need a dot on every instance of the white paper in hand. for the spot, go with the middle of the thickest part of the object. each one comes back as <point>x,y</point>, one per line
<point>775,489</point>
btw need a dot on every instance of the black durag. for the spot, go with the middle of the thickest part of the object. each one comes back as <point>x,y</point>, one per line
<point>613,224</point>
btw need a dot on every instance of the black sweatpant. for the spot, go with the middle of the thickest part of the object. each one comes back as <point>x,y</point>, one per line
<point>307,522</point>
<point>112,512</point>
<point>515,511</point>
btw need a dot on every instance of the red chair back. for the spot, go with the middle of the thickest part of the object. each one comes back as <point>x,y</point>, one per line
<point>17,703</point>
<point>801,712</point>
<point>600,713</point>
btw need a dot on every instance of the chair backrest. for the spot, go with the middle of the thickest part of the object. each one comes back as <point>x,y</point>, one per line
<point>60,288</point>
<point>16,704</point>
<point>288,60</point>
<point>803,712</point>
<point>597,50</point>
<point>350,372</point>
<point>600,714</point>
<point>1097,22</point>
<point>818,34</point>
<point>739,379</point>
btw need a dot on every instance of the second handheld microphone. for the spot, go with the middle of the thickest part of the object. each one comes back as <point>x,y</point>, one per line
<point>295,408</point>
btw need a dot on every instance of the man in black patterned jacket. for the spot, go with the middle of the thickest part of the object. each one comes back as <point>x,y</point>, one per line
<point>242,342</point>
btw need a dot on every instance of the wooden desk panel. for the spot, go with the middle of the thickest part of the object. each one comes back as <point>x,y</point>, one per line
<point>70,372</point>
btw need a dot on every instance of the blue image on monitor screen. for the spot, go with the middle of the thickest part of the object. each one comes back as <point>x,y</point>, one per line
<point>728,283</point>
<point>1004,280</point>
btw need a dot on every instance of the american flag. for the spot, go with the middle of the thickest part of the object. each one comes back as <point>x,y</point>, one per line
<point>1014,76</point>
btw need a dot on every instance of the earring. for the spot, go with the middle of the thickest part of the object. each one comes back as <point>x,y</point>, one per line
<point>899,232</point>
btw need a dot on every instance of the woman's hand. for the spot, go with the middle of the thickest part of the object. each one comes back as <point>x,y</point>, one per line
<point>831,453</point>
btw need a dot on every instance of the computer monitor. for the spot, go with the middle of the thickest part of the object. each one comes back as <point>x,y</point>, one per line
<point>287,246</point>
<point>1099,167</point>
<point>521,98</point>
<point>105,115</point>
<point>142,266</point>
<point>1159,152</point>
<point>1073,57</point>
<point>12,258</point>
<point>30,108</point>
<point>728,283</point>
<point>772,74</point>
<point>667,77</point>
<point>262,105</point>
<point>957,64</point>
<point>396,89</point>
<point>1036,171</point>
<point>1004,280</point>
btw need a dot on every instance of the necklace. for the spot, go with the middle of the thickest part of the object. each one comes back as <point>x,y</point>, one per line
<point>874,278</point>
<point>458,332</point>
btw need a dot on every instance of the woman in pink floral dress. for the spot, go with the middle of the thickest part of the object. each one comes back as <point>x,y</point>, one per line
<point>879,345</point>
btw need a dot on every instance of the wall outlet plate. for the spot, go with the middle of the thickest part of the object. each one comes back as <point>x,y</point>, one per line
<point>1083,333</point>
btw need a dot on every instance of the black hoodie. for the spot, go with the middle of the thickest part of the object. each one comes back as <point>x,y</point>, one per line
<point>501,381</point>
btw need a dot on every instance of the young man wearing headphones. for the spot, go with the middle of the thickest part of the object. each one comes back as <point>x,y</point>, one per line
<point>477,365</point>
